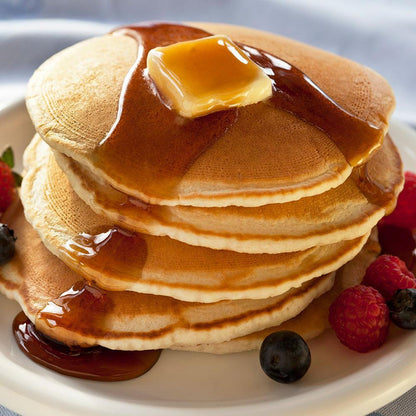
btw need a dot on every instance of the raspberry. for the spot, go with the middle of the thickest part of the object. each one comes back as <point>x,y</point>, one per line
<point>405,213</point>
<point>7,185</point>
<point>359,317</point>
<point>388,274</point>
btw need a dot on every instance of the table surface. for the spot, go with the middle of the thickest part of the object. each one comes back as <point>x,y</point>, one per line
<point>381,36</point>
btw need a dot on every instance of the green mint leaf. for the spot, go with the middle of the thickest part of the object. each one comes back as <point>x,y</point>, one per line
<point>8,158</point>
<point>17,179</point>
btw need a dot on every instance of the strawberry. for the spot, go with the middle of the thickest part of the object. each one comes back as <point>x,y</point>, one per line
<point>8,179</point>
<point>6,186</point>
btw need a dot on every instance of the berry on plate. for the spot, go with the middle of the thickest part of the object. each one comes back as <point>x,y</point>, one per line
<point>8,179</point>
<point>403,308</point>
<point>6,186</point>
<point>285,356</point>
<point>388,274</point>
<point>7,247</point>
<point>359,317</point>
<point>400,242</point>
<point>404,214</point>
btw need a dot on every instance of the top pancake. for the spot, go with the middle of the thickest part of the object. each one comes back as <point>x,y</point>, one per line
<point>265,156</point>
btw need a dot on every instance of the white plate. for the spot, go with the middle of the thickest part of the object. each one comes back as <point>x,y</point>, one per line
<point>339,381</point>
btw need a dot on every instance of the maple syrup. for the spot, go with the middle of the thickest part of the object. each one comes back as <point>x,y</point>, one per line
<point>151,141</point>
<point>296,93</point>
<point>115,250</point>
<point>95,363</point>
<point>82,306</point>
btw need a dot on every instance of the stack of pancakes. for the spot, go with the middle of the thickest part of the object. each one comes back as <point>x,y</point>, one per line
<point>251,237</point>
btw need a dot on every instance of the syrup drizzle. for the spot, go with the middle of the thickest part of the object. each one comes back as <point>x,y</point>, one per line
<point>151,141</point>
<point>148,138</point>
<point>296,93</point>
<point>114,250</point>
<point>95,363</point>
<point>82,307</point>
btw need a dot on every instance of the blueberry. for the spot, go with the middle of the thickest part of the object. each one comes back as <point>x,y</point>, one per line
<point>7,240</point>
<point>403,308</point>
<point>285,356</point>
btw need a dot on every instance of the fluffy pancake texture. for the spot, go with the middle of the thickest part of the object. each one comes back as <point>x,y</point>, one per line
<point>314,319</point>
<point>171,268</point>
<point>343,213</point>
<point>137,321</point>
<point>73,100</point>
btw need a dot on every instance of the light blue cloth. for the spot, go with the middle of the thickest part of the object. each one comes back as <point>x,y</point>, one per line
<point>378,33</point>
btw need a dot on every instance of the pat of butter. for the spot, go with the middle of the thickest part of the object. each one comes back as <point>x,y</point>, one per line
<point>202,76</point>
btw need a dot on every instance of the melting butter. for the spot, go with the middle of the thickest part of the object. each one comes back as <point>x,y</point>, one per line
<point>206,75</point>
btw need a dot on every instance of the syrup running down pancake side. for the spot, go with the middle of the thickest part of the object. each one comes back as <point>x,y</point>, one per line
<point>150,140</point>
<point>113,250</point>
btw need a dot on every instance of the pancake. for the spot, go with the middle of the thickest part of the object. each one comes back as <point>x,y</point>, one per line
<point>343,213</point>
<point>158,265</point>
<point>256,155</point>
<point>199,234</point>
<point>314,319</point>
<point>44,286</point>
